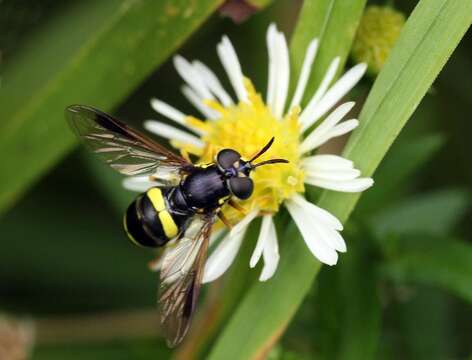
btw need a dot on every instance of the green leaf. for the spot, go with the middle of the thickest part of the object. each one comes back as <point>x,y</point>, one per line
<point>426,312</point>
<point>361,303</point>
<point>108,182</point>
<point>66,247</point>
<point>423,48</point>
<point>401,163</point>
<point>348,302</point>
<point>113,350</point>
<point>252,332</point>
<point>259,3</point>
<point>442,262</point>
<point>427,40</point>
<point>435,213</point>
<point>334,23</point>
<point>94,53</point>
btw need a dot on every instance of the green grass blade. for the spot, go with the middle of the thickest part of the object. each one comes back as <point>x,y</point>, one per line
<point>334,22</point>
<point>430,35</point>
<point>432,32</point>
<point>443,263</point>
<point>393,177</point>
<point>253,331</point>
<point>94,53</point>
<point>426,312</point>
<point>435,213</point>
<point>347,303</point>
<point>362,308</point>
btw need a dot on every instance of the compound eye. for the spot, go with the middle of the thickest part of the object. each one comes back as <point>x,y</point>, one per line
<point>241,187</point>
<point>227,157</point>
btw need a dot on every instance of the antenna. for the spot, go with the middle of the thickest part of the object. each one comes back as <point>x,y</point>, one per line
<point>263,150</point>
<point>271,161</point>
<point>266,162</point>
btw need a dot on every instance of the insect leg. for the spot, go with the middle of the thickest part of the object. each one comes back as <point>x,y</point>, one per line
<point>236,206</point>
<point>224,220</point>
<point>185,155</point>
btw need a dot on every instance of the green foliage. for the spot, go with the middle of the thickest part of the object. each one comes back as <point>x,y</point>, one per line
<point>429,36</point>
<point>433,213</point>
<point>396,172</point>
<point>136,350</point>
<point>334,23</point>
<point>348,301</point>
<point>52,252</point>
<point>256,331</point>
<point>442,262</point>
<point>426,312</point>
<point>94,53</point>
<point>401,291</point>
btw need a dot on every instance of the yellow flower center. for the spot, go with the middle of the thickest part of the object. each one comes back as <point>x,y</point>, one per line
<point>246,128</point>
<point>376,35</point>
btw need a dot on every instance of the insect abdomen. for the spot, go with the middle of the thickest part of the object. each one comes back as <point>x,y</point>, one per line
<point>149,222</point>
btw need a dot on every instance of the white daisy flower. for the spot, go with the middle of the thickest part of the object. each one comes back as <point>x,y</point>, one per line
<point>245,123</point>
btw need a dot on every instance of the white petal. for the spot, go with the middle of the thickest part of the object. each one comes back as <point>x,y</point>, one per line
<point>197,101</point>
<point>306,117</point>
<point>318,213</point>
<point>326,162</point>
<point>312,238</point>
<point>335,94</point>
<point>337,175</point>
<point>336,116</point>
<point>172,113</point>
<point>172,133</point>
<point>215,236</point>
<point>192,77</point>
<point>213,83</point>
<point>243,224</point>
<point>305,72</point>
<point>230,62</point>
<point>355,185</point>
<point>270,254</point>
<point>138,183</point>
<point>283,75</point>
<point>320,133</point>
<point>223,256</point>
<point>168,111</point>
<point>332,238</point>
<point>343,128</point>
<point>271,49</point>
<point>261,241</point>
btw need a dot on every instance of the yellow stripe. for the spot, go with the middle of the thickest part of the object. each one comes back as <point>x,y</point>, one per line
<point>157,200</point>
<point>222,200</point>
<point>167,222</point>
<point>131,237</point>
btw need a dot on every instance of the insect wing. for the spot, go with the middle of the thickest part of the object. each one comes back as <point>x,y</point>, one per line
<point>123,148</point>
<point>181,277</point>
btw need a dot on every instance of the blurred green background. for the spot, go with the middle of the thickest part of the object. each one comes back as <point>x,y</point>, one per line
<point>403,290</point>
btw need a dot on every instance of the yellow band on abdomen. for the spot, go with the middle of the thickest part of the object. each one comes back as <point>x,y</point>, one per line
<point>167,222</point>
<point>130,236</point>
<point>157,200</point>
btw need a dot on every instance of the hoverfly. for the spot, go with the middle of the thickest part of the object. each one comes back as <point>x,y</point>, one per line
<point>180,210</point>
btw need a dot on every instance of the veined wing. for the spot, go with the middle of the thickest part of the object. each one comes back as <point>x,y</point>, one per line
<point>181,277</point>
<point>123,148</point>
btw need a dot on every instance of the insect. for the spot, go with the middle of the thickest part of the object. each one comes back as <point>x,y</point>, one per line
<point>178,212</point>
